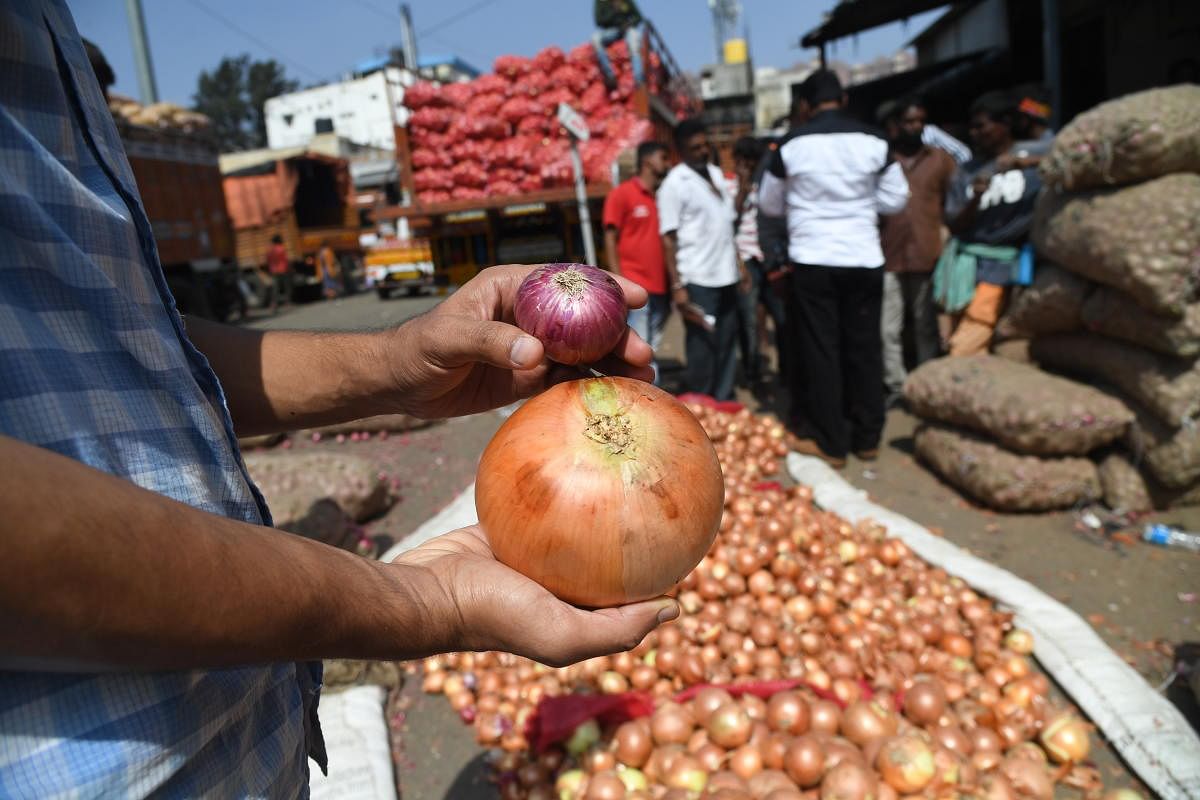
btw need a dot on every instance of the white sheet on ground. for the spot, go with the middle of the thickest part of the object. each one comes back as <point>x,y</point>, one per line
<point>1149,733</point>
<point>356,739</point>
<point>459,514</point>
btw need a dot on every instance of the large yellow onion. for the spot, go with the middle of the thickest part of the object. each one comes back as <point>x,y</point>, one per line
<point>603,490</point>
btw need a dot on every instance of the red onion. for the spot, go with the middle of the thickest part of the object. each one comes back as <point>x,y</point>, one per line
<point>578,312</point>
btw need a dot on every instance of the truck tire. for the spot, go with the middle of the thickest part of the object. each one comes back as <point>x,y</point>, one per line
<point>384,294</point>
<point>414,291</point>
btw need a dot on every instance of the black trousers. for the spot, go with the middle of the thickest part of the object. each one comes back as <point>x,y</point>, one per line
<point>712,355</point>
<point>839,356</point>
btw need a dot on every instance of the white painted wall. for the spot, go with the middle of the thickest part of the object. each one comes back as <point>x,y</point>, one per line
<point>362,110</point>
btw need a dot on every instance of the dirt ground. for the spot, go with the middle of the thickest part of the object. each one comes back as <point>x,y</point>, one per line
<point>1140,599</point>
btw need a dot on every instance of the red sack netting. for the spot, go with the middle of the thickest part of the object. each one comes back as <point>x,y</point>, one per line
<point>541,126</point>
<point>474,127</point>
<point>519,108</point>
<point>423,158</point>
<point>457,94</point>
<point>469,174</point>
<point>465,193</point>
<point>553,97</point>
<point>503,188</point>
<point>557,718</point>
<point>431,197</point>
<point>491,84</point>
<point>432,119</point>
<point>422,95</point>
<point>511,67</point>
<point>531,182</point>
<point>505,174</point>
<point>593,98</point>
<point>531,84</point>
<point>430,140</point>
<point>433,179</point>
<point>486,104</point>
<point>583,55</point>
<point>569,77</point>
<point>549,59</point>
<point>470,150</point>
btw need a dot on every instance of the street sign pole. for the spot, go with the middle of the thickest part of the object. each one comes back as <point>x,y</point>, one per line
<point>577,128</point>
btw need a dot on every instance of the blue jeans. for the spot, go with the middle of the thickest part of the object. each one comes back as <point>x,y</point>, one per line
<point>603,37</point>
<point>648,322</point>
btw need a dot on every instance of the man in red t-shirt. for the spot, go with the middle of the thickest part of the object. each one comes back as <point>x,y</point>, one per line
<point>280,269</point>
<point>633,245</point>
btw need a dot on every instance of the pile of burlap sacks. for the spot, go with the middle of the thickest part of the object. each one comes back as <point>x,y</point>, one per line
<point>1115,306</point>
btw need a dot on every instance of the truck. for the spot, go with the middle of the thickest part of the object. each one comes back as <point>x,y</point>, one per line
<point>463,236</point>
<point>302,196</point>
<point>177,173</point>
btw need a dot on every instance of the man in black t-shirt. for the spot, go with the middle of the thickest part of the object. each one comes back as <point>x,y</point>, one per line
<point>616,19</point>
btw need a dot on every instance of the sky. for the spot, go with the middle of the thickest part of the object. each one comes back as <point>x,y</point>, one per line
<point>320,40</point>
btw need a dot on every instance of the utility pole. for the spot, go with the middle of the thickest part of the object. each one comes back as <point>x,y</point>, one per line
<point>409,37</point>
<point>141,52</point>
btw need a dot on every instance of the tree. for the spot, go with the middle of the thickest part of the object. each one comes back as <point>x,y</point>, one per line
<point>233,94</point>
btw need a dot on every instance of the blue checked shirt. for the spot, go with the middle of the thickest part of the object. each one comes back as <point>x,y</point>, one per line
<point>95,365</point>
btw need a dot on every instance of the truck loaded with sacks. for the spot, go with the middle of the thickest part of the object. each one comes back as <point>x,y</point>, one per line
<point>488,166</point>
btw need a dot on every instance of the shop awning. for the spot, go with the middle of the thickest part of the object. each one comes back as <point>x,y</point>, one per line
<point>854,16</point>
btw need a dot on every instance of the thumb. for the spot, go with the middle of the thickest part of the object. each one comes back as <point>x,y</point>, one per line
<point>496,343</point>
<point>612,630</point>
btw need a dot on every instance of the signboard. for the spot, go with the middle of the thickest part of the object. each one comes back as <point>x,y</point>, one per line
<point>574,122</point>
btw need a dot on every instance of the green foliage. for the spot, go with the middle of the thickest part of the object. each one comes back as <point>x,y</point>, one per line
<point>233,94</point>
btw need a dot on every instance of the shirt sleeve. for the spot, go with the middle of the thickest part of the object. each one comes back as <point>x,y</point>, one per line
<point>772,191</point>
<point>891,191</point>
<point>613,209</point>
<point>669,207</point>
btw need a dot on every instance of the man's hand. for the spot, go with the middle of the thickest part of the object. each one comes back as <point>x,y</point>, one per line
<point>473,602</point>
<point>980,184</point>
<point>467,355</point>
<point>680,297</point>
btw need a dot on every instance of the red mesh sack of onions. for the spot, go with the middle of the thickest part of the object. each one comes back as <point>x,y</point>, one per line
<point>431,179</point>
<point>511,66</point>
<point>467,193</point>
<point>485,105</point>
<point>570,77</point>
<point>508,174</point>
<point>582,55</point>
<point>549,59</point>
<point>433,196</point>
<point>432,119</point>
<point>540,126</point>
<point>531,183</point>
<point>531,84</point>
<point>593,99</point>
<point>457,94</point>
<point>469,174</point>
<point>503,188</point>
<point>618,54</point>
<point>492,84</point>
<point>422,95</point>
<point>552,97</point>
<point>470,150</point>
<point>423,158</point>
<point>438,142</point>
<point>479,127</point>
<point>517,109</point>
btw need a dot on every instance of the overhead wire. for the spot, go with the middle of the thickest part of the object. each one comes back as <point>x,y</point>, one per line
<point>233,26</point>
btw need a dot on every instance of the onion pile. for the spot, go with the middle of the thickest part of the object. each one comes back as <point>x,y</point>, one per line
<point>908,683</point>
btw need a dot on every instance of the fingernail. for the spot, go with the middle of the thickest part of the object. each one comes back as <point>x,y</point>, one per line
<point>668,612</point>
<point>523,351</point>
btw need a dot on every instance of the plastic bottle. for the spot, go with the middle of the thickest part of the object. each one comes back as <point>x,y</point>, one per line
<point>1168,536</point>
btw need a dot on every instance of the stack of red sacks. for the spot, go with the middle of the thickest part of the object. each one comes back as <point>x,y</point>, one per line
<point>498,135</point>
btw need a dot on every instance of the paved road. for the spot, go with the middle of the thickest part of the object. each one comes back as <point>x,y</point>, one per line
<point>361,312</point>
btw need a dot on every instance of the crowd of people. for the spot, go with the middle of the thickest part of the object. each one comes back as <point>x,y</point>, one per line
<point>868,247</point>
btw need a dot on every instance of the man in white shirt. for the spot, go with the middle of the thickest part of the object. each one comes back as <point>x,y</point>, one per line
<point>696,217</point>
<point>833,177</point>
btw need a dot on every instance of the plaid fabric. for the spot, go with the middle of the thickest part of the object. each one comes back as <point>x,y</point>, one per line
<point>95,365</point>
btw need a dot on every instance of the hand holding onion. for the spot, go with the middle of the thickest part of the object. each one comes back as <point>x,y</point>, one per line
<point>473,602</point>
<point>467,355</point>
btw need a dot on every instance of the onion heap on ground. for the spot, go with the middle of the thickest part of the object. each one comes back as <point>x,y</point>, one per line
<point>910,683</point>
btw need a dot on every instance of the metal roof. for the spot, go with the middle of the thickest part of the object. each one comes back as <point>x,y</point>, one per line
<point>853,16</point>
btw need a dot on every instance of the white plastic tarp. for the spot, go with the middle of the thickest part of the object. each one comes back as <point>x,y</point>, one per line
<point>356,740</point>
<point>1150,734</point>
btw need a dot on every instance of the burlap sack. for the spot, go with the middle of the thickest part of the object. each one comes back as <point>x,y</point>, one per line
<point>1052,304</point>
<point>291,482</point>
<point>1111,313</point>
<point>1171,454</point>
<point>1127,488</point>
<point>1002,480</point>
<point>1168,387</point>
<point>1143,239</point>
<point>1133,138</point>
<point>1124,487</point>
<point>1018,405</point>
